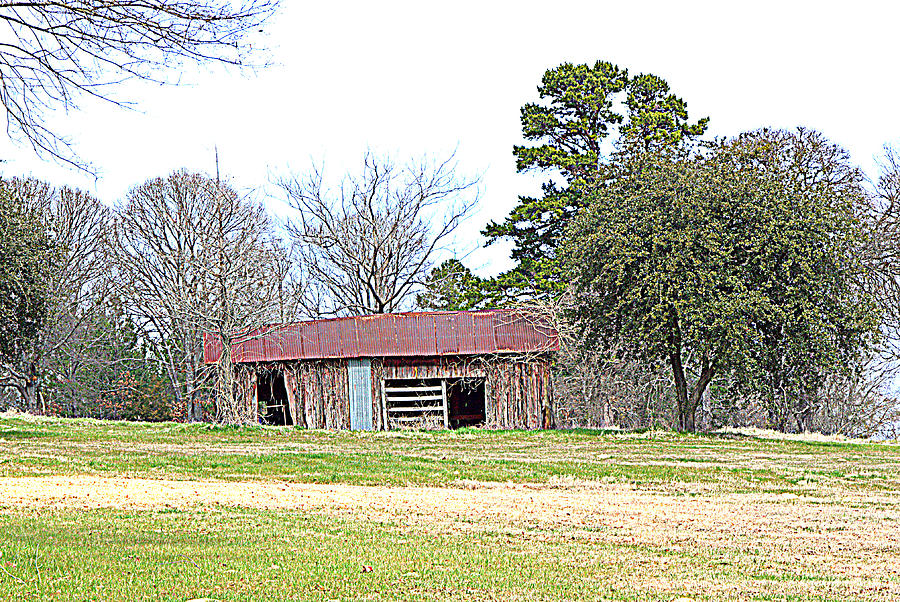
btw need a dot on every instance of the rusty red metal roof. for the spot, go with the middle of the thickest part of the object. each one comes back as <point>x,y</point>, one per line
<point>393,335</point>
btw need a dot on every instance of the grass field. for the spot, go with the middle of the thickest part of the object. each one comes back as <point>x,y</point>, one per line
<point>115,511</point>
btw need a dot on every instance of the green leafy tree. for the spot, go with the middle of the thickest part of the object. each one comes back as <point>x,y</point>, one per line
<point>742,261</point>
<point>453,287</point>
<point>25,260</point>
<point>657,119</point>
<point>105,371</point>
<point>575,128</point>
<point>822,319</point>
<point>74,284</point>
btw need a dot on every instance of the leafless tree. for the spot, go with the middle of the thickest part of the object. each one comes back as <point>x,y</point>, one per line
<point>195,257</point>
<point>868,400</point>
<point>78,225</point>
<point>862,403</point>
<point>883,249</point>
<point>249,273</point>
<point>596,386</point>
<point>54,52</point>
<point>365,246</point>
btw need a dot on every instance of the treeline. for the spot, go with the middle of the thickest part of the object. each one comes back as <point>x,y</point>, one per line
<point>695,283</point>
<point>104,309</point>
<point>106,317</point>
<point>748,280</point>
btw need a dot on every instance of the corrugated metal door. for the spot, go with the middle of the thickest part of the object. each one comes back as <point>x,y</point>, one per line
<point>360,384</point>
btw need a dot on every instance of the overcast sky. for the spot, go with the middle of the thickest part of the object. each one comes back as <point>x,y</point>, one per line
<point>409,78</point>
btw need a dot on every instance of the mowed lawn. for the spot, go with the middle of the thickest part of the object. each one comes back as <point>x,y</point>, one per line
<point>95,510</point>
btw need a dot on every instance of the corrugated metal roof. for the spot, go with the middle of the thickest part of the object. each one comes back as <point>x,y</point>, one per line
<point>393,335</point>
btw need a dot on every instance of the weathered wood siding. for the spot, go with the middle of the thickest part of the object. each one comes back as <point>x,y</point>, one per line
<point>318,394</point>
<point>518,393</point>
<point>322,396</point>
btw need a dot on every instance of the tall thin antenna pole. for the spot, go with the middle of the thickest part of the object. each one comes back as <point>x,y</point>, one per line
<point>217,164</point>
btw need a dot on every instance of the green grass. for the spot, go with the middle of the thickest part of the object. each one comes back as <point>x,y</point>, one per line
<point>821,492</point>
<point>255,555</point>
<point>66,447</point>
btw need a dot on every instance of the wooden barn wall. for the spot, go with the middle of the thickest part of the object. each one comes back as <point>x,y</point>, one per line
<point>245,376</point>
<point>518,393</point>
<point>317,392</point>
<point>322,394</point>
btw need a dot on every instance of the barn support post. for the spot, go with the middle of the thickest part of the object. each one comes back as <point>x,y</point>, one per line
<point>445,403</point>
<point>290,386</point>
<point>384,409</point>
<point>548,398</point>
<point>377,394</point>
<point>254,397</point>
<point>489,392</point>
<point>320,394</point>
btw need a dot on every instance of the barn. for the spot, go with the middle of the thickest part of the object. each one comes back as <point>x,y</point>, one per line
<point>486,368</point>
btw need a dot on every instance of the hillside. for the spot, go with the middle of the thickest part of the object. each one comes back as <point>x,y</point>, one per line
<point>120,511</point>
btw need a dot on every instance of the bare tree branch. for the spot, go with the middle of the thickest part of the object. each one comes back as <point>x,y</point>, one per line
<point>366,246</point>
<point>54,52</point>
<point>194,256</point>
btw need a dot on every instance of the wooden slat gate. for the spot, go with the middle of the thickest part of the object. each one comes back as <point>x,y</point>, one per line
<point>415,403</point>
<point>359,382</point>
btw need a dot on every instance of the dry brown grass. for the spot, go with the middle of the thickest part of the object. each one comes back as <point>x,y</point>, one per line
<point>852,540</point>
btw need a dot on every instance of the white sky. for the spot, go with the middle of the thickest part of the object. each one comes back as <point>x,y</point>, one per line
<point>409,78</point>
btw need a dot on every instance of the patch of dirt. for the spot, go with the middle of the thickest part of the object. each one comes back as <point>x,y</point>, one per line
<point>864,526</point>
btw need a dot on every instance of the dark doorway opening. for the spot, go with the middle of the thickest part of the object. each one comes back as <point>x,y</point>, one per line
<point>466,401</point>
<point>273,400</point>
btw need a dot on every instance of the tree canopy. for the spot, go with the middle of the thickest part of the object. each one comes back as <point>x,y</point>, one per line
<point>741,260</point>
<point>452,286</point>
<point>193,256</point>
<point>367,244</point>
<point>25,260</point>
<point>576,128</point>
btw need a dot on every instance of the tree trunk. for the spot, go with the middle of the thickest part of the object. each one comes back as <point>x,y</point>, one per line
<point>803,415</point>
<point>778,403</point>
<point>231,403</point>
<point>686,419</point>
<point>196,409</point>
<point>192,405</point>
<point>689,400</point>
<point>32,391</point>
<point>685,412</point>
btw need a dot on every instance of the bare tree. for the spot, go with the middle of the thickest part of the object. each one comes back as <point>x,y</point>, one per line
<point>79,283</point>
<point>862,403</point>
<point>366,246</point>
<point>882,252</point>
<point>597,386</point>
<point>195,257</point>
<point>248,271</point>
<point>56,51</point>
<point>868,400</point>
